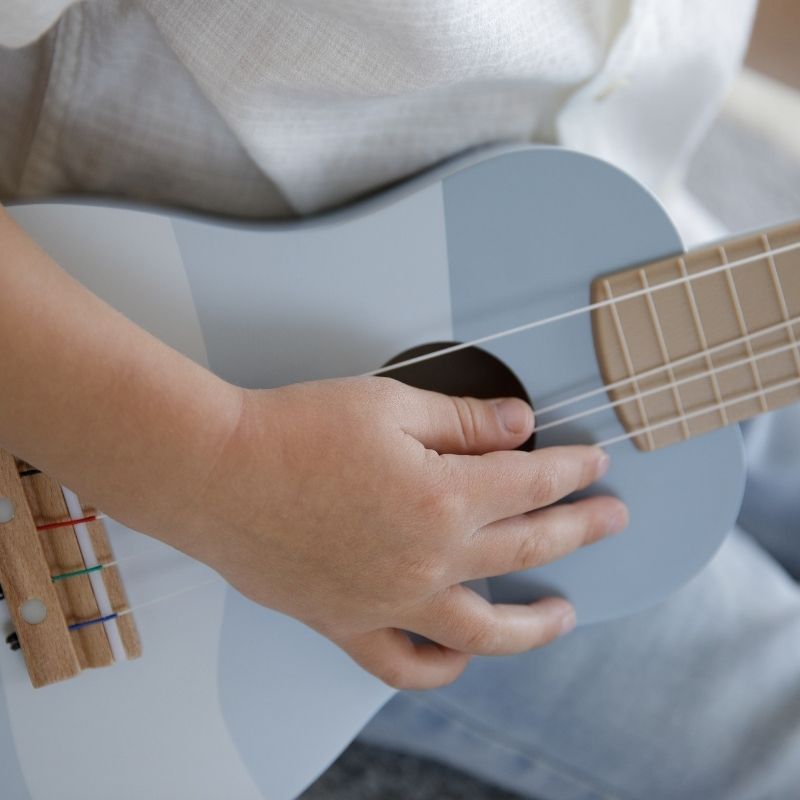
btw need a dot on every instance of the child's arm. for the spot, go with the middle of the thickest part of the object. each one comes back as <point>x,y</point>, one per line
<point>353,505</point>
<point>94,399</point>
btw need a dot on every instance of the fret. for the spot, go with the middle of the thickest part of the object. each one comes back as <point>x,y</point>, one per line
<point>662,344</point>
<point>776,282</point>
<point>626,354</point>
<point>737,305</point>
<point>701,332</point>
<point>725,331</point>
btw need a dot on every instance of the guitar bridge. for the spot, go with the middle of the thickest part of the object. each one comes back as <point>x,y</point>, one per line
<point>58,575</point>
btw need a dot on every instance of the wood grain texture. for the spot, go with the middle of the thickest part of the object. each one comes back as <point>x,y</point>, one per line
<point>24,573</point>
<point>115,588</point>
<point>649,339</point>
<point>76,594</point>
<point>63,554</point>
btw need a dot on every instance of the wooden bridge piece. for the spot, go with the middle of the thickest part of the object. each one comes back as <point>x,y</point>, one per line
<point>29,559</point>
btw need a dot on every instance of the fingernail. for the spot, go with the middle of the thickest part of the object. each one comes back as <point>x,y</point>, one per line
<point>567,622</point>
<point>514,414</point>
<point>601,467</point>
<point>617,521</point>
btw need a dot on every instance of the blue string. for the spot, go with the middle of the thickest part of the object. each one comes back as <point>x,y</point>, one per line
<point>78,625</point>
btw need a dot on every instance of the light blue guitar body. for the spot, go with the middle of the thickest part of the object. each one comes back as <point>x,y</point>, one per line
<point>233,700</point>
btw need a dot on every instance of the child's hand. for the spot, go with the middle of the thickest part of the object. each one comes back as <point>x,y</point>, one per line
<point>359,506</point>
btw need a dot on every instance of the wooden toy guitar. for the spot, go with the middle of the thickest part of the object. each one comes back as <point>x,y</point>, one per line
<point>568,278</point>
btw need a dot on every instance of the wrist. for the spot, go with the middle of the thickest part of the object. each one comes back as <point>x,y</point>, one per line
<point>170,500</point>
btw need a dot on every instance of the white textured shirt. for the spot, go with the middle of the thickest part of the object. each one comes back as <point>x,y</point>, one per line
<point>270,107</point>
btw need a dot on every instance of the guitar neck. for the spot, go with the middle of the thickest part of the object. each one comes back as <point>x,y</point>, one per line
<point>699,341</point>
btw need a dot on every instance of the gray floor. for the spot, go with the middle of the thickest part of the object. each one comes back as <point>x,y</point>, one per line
<point>742,179</point>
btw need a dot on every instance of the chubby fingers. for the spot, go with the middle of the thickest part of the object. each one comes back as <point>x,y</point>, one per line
<point>505,484</point>
<point>462,620</point>
<point>538,537</point>
<point>390,655</point>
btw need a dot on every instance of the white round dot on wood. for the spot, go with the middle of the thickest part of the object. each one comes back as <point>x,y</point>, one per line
<point>7,510</point>
<point>33,611</point>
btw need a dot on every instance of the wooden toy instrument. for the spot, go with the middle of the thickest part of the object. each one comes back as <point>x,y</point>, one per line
<point>557,267</point>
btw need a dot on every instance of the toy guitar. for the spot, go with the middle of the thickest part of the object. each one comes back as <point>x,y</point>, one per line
<point>568,282</point>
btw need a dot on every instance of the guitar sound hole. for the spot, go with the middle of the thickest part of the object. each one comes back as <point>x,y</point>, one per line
<point>470,372</point>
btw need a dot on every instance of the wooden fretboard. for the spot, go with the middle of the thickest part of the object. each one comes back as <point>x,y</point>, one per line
<point>703,353</point>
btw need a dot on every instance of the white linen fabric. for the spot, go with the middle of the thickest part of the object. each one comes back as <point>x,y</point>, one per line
<point>270,108</point>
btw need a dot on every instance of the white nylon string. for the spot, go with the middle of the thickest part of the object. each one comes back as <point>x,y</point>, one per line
<point>614,440</point>
<point>608,442</point>
<point>743,362</point>
<point>789,323</point>
<point>585,309</point>
<point>712,407</point>
<point>171,595</point>
<point>97,583</point>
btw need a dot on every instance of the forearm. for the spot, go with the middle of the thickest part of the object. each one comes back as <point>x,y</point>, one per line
<point>90,397</point>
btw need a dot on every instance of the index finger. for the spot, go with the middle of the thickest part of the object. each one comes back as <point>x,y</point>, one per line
<point>504,484</point>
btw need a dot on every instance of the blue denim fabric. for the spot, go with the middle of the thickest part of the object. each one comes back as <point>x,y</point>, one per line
<point>698,698</point>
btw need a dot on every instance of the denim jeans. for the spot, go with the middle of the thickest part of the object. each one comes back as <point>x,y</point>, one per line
<point>698,698</point>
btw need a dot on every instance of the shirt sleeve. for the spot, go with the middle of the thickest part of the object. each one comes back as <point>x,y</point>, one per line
<point>24,21</point>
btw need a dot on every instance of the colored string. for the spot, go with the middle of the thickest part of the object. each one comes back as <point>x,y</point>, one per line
<point>124,612</point>
<point>104,605</point>
<point>68,523</point>
<point>78,572</point>
<point>76,626</point>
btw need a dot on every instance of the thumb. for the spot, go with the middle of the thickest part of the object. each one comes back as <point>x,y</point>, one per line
<point>466,425</point>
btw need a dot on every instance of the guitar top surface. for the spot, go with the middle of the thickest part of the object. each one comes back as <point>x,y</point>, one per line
<point>230,699</point>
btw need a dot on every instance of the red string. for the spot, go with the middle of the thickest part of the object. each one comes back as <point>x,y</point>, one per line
<point>65,523</point>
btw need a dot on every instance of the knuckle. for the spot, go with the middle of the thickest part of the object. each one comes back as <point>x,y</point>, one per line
<point>480,636</point>
<point>588,469</point>
<point>534,549</point>
<point>469,419</point>
<point>440,504</point>
<point>546,483</point>
<point>395,676</point>
<point>426,573</point>
<point>384,396</point>
<point>595,526</point>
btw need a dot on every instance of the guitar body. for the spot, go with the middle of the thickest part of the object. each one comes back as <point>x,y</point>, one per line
<point>233,700</point>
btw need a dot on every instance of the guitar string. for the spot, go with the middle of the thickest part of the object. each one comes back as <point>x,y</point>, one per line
<point>69,523</point>
<point>710,408</point>
<point>706,351</point>
<point>99,567</point>
<point>547,426</point>
<point>76,626</point>
<point>607,443</point>
<point>75,573</point>
<point>743,362</point>
<point>528,326</point>
<point>713,407</point>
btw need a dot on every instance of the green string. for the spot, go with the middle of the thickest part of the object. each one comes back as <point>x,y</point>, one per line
<point>77,572</point>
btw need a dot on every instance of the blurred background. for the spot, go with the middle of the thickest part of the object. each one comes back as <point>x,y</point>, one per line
<point>746,174</point>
